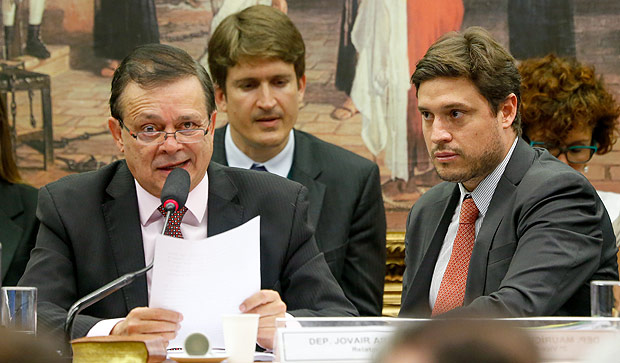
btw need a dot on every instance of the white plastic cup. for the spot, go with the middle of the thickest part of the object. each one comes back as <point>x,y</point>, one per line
<point>240,331</point>
<point>19,309</point>
<point>604,298</point>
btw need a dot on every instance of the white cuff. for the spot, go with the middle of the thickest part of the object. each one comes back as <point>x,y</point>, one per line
<point>104,327</point>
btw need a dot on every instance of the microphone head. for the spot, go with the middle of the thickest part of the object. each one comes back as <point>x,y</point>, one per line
<point>175,190</point>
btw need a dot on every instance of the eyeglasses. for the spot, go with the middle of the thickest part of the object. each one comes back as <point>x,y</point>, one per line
<point>578,154</point>
<point>186,136</point>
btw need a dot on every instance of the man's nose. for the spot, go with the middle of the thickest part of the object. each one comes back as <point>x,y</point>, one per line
<point>266,100</point>
<point>439,133</point>
<point>170,143</point>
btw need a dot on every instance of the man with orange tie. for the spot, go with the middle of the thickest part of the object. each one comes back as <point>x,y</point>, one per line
<point>512,231</point>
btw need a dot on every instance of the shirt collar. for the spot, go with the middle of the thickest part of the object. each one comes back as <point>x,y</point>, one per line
<point>196,204</point>
<point>484,191</point>
<point>280,164</point>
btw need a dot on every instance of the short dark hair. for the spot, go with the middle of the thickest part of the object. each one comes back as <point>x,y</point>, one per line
<point>476,56</point>
<point>462,340</point>
<point>153,65</point>
<point>259,31</point>
<point>561,95</point>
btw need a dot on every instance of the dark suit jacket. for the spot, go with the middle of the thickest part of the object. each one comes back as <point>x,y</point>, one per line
<point>90,234</point>
<point>18,229</point>
<point>545,236</point>
<point>346,209</point>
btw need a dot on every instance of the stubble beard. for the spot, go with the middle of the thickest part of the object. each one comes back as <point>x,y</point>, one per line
<point>475,168</point>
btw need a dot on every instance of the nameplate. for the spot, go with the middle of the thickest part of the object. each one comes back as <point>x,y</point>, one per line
<point>331,344</point>
<point>571,345</point>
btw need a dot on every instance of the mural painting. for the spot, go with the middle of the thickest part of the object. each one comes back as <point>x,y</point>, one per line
<point>360,55</point>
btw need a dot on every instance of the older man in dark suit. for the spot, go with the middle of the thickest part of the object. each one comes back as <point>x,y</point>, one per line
<point>97,226</point>
<point>512,231</point>
<point>257,61</point>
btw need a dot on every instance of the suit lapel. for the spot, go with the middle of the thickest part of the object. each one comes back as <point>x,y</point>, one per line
<point>11,232</point>
<point>306,170</point>
<point>419,287</point>
<point>516,168</point>
<point>223,211</point>
<point>219,148</point>
<point>122,220</point>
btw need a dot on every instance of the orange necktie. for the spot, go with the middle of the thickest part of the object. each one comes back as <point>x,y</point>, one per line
<point>452,289</point>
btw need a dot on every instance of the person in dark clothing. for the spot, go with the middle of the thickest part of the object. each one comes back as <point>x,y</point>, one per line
<point>120,26</point>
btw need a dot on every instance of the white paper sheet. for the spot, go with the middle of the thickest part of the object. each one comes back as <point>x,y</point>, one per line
<point>204,279</point>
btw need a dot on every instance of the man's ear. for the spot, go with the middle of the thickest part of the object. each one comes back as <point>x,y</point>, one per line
<point>212,123</point>
<point>220,99</point>
<point>301,88</point>
<point>116,130</point>
<point>508,111</point>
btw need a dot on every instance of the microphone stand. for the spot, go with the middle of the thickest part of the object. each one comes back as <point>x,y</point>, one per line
<point>107,289</point>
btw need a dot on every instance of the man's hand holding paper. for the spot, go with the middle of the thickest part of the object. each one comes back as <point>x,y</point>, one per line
<point>150,321</point>
<point>270,306</point>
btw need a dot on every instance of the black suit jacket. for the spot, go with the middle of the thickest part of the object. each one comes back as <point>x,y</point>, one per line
<point>90,234</point>
<point>18,229</point>
<point>545,236</point>
<point>346,210</point>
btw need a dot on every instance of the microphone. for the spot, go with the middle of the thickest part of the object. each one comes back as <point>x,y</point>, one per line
<point>175,190</point>
<point>173,196</point>
<point>174,193</point>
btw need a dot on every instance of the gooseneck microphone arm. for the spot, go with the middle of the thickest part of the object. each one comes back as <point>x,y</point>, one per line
<point>99,294</point>
<point>106,290</point>
<point>173,196</point>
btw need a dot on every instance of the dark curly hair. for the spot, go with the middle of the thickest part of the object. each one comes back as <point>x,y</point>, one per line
<point>559,95</point>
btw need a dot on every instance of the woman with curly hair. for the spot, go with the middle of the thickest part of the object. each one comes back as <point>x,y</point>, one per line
<point>18,223</point>
<point>567,110</point>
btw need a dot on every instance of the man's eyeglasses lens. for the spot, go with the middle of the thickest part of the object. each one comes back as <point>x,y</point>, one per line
<point>182,136</point>
<point>187,136</point>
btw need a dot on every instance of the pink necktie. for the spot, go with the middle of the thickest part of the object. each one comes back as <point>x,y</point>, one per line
<point>452,289</point>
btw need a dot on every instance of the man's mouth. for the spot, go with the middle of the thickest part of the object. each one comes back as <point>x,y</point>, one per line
<point>267,119</point>
<point>173,165</point>
<point>445,156</point>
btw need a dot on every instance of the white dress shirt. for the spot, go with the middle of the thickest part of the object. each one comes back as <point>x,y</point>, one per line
<point>482,197</point>
<point>193,226</point>
<point>280,164</point>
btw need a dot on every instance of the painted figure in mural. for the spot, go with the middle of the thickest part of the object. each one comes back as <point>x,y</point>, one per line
<point>513,231</point>
<point>347,59</point>
<point>257,59</point>
<point>568,111</point>
<point>391,121</point>
<point>380,86</point>
<point>539,27</point>
<point>34,45</point>
<point>120,26</point>
<point>19,224</point>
